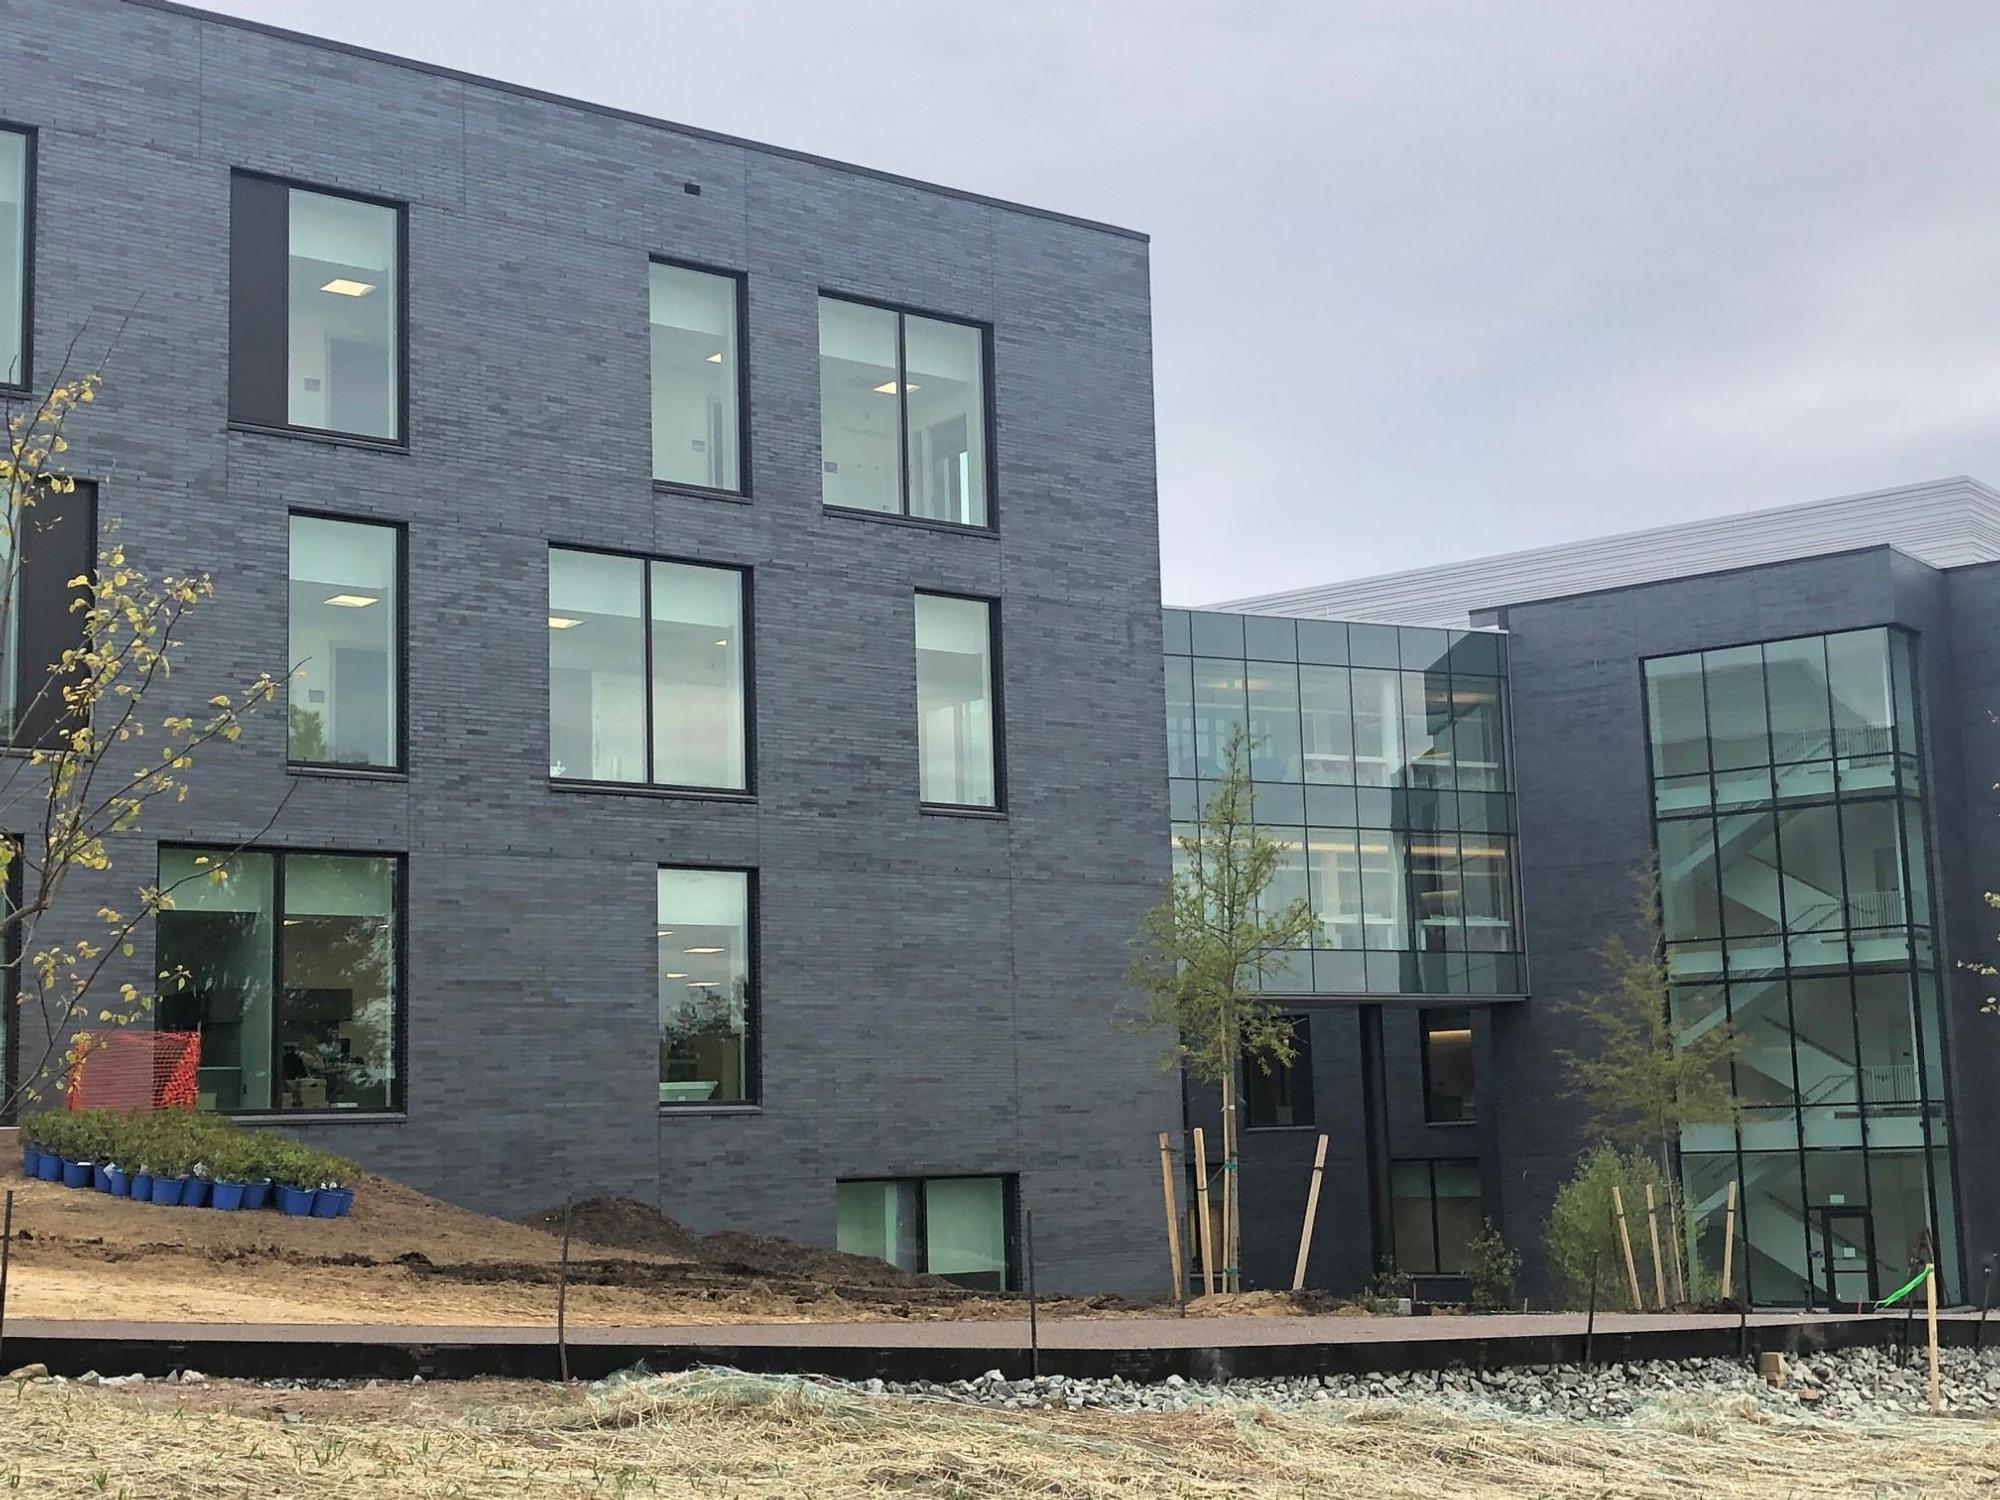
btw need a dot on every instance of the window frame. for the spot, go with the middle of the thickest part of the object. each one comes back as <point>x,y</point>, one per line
<point>1430,1164</point>
<point>753,999</point>
<point>997,675</point>
<point>988,425</point>
<point>401,767</point>
<point>1301,1024</point>
<point>400,443</point>
<point>674,486</point>
<point>1010,1215</point>
<point>30,219</point>
<point>746,628</point>
<point>1425,1014</point>
<point>399,1030</point>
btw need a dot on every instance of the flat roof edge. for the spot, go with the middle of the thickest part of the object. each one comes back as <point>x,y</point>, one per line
<point>629,116</point>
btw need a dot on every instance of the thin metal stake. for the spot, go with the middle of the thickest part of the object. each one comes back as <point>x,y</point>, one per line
<point>6,1245</point>
<point>1903,1351</point>
<point>562,1299</point>
<point>1743,1302</point>
<point>1034,1321</point>
<point>1978,1329</point>
<point>1590,1323</point>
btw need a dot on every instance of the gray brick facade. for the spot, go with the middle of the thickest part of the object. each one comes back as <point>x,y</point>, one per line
<point>936,991</point>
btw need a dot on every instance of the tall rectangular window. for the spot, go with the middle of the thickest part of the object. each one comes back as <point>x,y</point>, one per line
<point>707,994</point>
<point>1434,1213</point>
<point>697,378</point>
<point>290,967</point>
<point>16,235</point>
<point>1448,1090</point>
<point>957,722</point>
<point>44,546</point>
<point>954,1227</point>
<point>903,413</point>
<point>346,643</point>
<point>315,310</point>
<point>647,672</point>
<point>1283,1094</point>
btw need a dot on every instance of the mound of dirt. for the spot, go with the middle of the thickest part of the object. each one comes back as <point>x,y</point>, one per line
<point>622,1224</point>
<point>768,1255</point>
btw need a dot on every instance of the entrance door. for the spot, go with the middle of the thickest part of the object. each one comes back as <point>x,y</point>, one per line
<point>1846,1270</point>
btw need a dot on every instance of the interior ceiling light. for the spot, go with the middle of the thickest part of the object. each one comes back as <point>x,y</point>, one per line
<point>352,601</point>
<point>715,358</point>
<point>701,984</point>
<point>701,950</point>
<point>723,642</point>
<point>341,286</point>
<point>888,387</point>
<point>563,622</point>
<point>682,974</point>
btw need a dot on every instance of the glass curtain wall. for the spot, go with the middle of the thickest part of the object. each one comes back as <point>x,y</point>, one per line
<point>1379,764</point>
<point>1796,909</point>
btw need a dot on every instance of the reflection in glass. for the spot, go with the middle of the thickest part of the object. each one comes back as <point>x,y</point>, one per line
<point>955,720</point>
<point>342,343</point>
<point>1281,1095</point>
<point>1738,728</point>
<point>965,1231</point>
<point>1448,1087</point>
<point>880,1220</point>
<point>216,949</point>
<point>698,702</point>
<point>1378,728</point>
<point>597,667</point>
<point>342,695</point>
<point>704,976</point>
<point>1274,721</point>
<point>858,408</point>
<point>13,257</point>
<point>696,432</point>
<point>947,420</point>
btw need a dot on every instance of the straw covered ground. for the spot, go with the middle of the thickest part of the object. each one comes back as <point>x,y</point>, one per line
<point>727,1434</point>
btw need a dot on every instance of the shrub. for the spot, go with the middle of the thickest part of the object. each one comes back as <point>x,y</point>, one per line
<point>1582,1224</point>
<point>1491,1268</point>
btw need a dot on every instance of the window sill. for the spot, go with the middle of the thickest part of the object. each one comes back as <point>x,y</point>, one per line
<point>710,1111</point>
<point>346,773</point>
<point>318,1117</point>
<point>315,435</point>
<point>1451,1124</point>
<point>700,492</point>
<point>949,810</point>
<point>1279,1129</point>
<point>921,523</point>
<point>643,789</point>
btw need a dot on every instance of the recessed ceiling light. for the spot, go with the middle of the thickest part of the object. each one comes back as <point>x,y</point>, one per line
<point>352,601</point>
<point>723,642</point>
<point>701,984</point>
<point>563,622</point>
<point>681,974</point>
<point>340,286</point>
<point>715,358</point>
<point>701,950</point>
<point>888,387</point>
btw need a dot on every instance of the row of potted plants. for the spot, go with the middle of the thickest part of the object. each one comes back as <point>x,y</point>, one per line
<point>178,1157</point>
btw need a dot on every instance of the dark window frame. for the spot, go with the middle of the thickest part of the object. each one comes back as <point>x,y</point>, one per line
<point>988,424</point>
<point>11,949</point>
<point>997,669</point>
<point>753,995</point>
<point>709,491</point>
<point>746,628</point>
<point>400,442</point>
<point>1430,1165</point>
<point>1424,1018</point>
<point>1299,1067</point>
<point>401,765</point>
<point>399,935</point>
<point>30,218</point>
<point>1010,1215</point>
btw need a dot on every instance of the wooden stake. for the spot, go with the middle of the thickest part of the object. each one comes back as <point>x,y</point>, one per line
<point>1930,1323</point>
<point>1729,1242</point>
<point>1625,1244</point>
<point>1201,1207</point>
<point>1173,1215</point>
<point>1677,1241</point>
<point>1659,1275</point>
<point>1312,1209</point>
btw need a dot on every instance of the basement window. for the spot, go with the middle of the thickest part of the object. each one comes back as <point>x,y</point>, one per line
<point>960,1228</point>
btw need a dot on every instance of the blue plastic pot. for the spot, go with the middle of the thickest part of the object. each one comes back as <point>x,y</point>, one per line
<point>142,1186</point>
<point>167,1190</point>
<point>296,1201</point>
<point>49,1167</point>
<point>76,1174</point>
<point>118,1182</point>
<point>194,1192</point>
<point>31,1158</point>
<point>332,1203</point>
<point>257,1194</point>
<point>226,1196</point>
<point>100,1177</point>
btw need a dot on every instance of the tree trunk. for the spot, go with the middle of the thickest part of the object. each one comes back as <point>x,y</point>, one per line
<point>1231,1209</point>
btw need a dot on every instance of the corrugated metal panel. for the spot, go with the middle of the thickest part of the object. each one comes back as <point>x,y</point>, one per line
<point>1946,523</point>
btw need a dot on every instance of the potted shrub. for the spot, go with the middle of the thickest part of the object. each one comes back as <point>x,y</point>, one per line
<point>34,1143</point>
<point>334,1194</point>
<point>169,1156</point>
<point>256,1169</point>
<point>231,1159</point>
<point>294,1171</point>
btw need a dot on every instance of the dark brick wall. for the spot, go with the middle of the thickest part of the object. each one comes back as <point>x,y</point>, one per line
<point>936,990</point>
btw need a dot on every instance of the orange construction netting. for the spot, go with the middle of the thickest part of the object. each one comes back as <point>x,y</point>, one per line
<point>132,1070</point>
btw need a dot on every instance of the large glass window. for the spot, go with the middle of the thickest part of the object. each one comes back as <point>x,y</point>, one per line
<point>957,725</point>
<point>346,629</point>
<point>1434,1212</point>
<point>15,237</point>
<point>647,679</point>
<point>903,414</point>
<point>1281,1094</point>
<point>707,996</point>
<point>697,378</point>
<point>954,1227</point>
<point>44,548</point>
<point>1448,1090</point>
<point>316,337</point>
<point>289,965</point>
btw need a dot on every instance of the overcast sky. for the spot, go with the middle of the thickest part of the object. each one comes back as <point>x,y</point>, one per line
<point>1429,281</point>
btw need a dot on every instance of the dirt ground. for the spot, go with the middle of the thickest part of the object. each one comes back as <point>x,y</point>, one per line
<point>402,1257</point>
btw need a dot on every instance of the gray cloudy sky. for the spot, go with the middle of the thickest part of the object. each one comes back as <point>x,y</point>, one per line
<point>1429,280</point>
